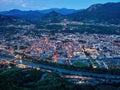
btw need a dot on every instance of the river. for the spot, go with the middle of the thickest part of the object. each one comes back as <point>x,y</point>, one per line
<point>80,73</point>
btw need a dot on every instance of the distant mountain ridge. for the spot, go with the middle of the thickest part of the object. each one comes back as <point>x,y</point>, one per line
<point>37,14</point>
<point>53,17</point>
<point>63,11</point>
<point>108,13</point>
<point>29,15</point>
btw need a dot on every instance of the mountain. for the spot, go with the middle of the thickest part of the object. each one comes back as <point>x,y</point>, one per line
<point>108,13</point>
<point>63,11</point>
<point>99,13</point>
<point>53,17</point>
<point>10,25</point>
<point>28,15</point>
<point>5,20</point>
<point>36,15</point>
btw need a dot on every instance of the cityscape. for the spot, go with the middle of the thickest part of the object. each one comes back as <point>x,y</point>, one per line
<point>60,49</point>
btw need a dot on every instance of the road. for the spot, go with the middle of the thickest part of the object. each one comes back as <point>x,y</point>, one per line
<point>60,70</point>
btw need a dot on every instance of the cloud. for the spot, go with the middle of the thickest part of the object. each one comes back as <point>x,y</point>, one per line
<point>24,5</point>
<point>21,3</point>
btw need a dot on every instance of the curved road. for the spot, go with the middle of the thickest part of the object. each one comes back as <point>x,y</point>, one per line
<point>107,76</point>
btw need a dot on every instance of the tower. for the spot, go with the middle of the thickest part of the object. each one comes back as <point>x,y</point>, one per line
<point>20,59</point>
<point>69,52</point>
<point>55,55</point>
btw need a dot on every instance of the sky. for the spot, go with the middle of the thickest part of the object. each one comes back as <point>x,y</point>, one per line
<point>46,4</point>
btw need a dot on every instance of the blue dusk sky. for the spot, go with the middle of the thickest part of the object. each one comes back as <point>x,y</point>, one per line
<point>46,4</point>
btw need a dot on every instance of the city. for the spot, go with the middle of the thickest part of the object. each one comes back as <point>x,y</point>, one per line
<point>99,51</point>
<point>59,49</point>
